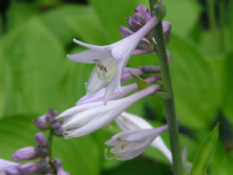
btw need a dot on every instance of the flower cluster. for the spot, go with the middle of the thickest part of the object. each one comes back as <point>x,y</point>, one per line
<point>41,153</point>
<point>100,106</point>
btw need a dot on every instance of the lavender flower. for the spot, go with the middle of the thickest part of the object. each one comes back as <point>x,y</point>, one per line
<point>34,168</point>
<point>131,143</point>
<point>110,60</point>
<point>127,121</point>
<point>86,118</point>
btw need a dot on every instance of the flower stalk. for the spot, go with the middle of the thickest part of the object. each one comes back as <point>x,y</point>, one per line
<point>169,103</point>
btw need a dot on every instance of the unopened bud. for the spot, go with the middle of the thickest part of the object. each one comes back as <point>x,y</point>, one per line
<point>34,168</point>
<point>159,10</point>
<point>167,31</point>
<point>53,112</point>
<point>58,164</point>
<point>57,129</point>
<point>12,171</point>
<point>41,139</point>
<point>42,122</point>
<point>42,152</point>
<point>26,153</point>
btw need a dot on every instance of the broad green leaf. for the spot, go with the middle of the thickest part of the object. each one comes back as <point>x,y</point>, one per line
<point>58,20</point>
<point>222,161</point>
<point>19,12</point>
<point>113,14</point>
<point>79,155</point>
<point>205,153</point>
<point>194,84</point>
<point>32,62</point>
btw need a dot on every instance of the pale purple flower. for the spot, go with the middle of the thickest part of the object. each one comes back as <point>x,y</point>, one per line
<point>12,171</point>
<point>127,121</point>
<point>131,143</point>
<point>26,153</point>
<point>99,96</point>
<point>86,118</point>
<point>5,164</point>
<point>42,122</point>
<point>110,60</point>
<point>41,139</point>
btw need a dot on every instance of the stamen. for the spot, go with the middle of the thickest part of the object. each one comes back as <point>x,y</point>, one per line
<point>110,158</point>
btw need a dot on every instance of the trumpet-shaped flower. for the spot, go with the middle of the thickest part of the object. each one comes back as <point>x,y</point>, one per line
<point>86,118</point>
<point>127,121</point>
<point>99,96</point>
<point>110,60</point>
<point>131,143</point>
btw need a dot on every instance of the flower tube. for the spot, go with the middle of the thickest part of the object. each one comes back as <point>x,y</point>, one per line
<point>84,119</point>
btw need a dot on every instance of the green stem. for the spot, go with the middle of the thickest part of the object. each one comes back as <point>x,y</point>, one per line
<point>169,103</point>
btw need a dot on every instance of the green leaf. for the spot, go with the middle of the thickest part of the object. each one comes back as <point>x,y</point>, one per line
<point>113,14</point>
<point>32,61</point>
<point>66,17</point>
<point>79,155</point>
<point>194,84</point>
<point>140,82</point>
<point>19,12</point>
<point>205,153</point>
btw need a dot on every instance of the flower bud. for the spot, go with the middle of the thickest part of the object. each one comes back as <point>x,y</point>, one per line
<point>42,123</point>
<point>140,17</point>
<point>58,164</point>
<point>166,31</point>
<point>57,129</point>
<point>13,171</point>
<point>42,152</point>
<point>41,139</point>
<point>26,153</point>
<point>159,10</point>
<point>53,112</point>
<point>34,168</point>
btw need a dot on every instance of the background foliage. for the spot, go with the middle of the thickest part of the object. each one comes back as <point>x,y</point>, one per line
<point>35,75</point>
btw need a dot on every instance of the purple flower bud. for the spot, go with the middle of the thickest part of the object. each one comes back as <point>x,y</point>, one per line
<point>167,31</point>
<point>41,139</point>
<point>26,153</point>
<point>58,164</point>
<point>42,123</point>
<point>53,112</point>
<point>57,129</point>
<point>41,151</point>
<point>34,168</point>
<point>140,17</point>
<point>13,171</point>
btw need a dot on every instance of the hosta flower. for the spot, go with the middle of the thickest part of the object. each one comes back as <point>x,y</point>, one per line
<point>110,60</point>
<point>131,143</point>
<point>26,153</point>
<point>86,118</point>
<point>99,96</point>
<point>127,121</point>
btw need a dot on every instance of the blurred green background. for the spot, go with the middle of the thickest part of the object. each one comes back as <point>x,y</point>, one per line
<point>35,75</point>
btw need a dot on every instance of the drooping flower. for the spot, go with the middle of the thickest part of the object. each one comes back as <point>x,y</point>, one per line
<point>127,121</point>
<point>110,60</point>
<point>131,143</point>
<point>99,96</point>
<point>86,118</point>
